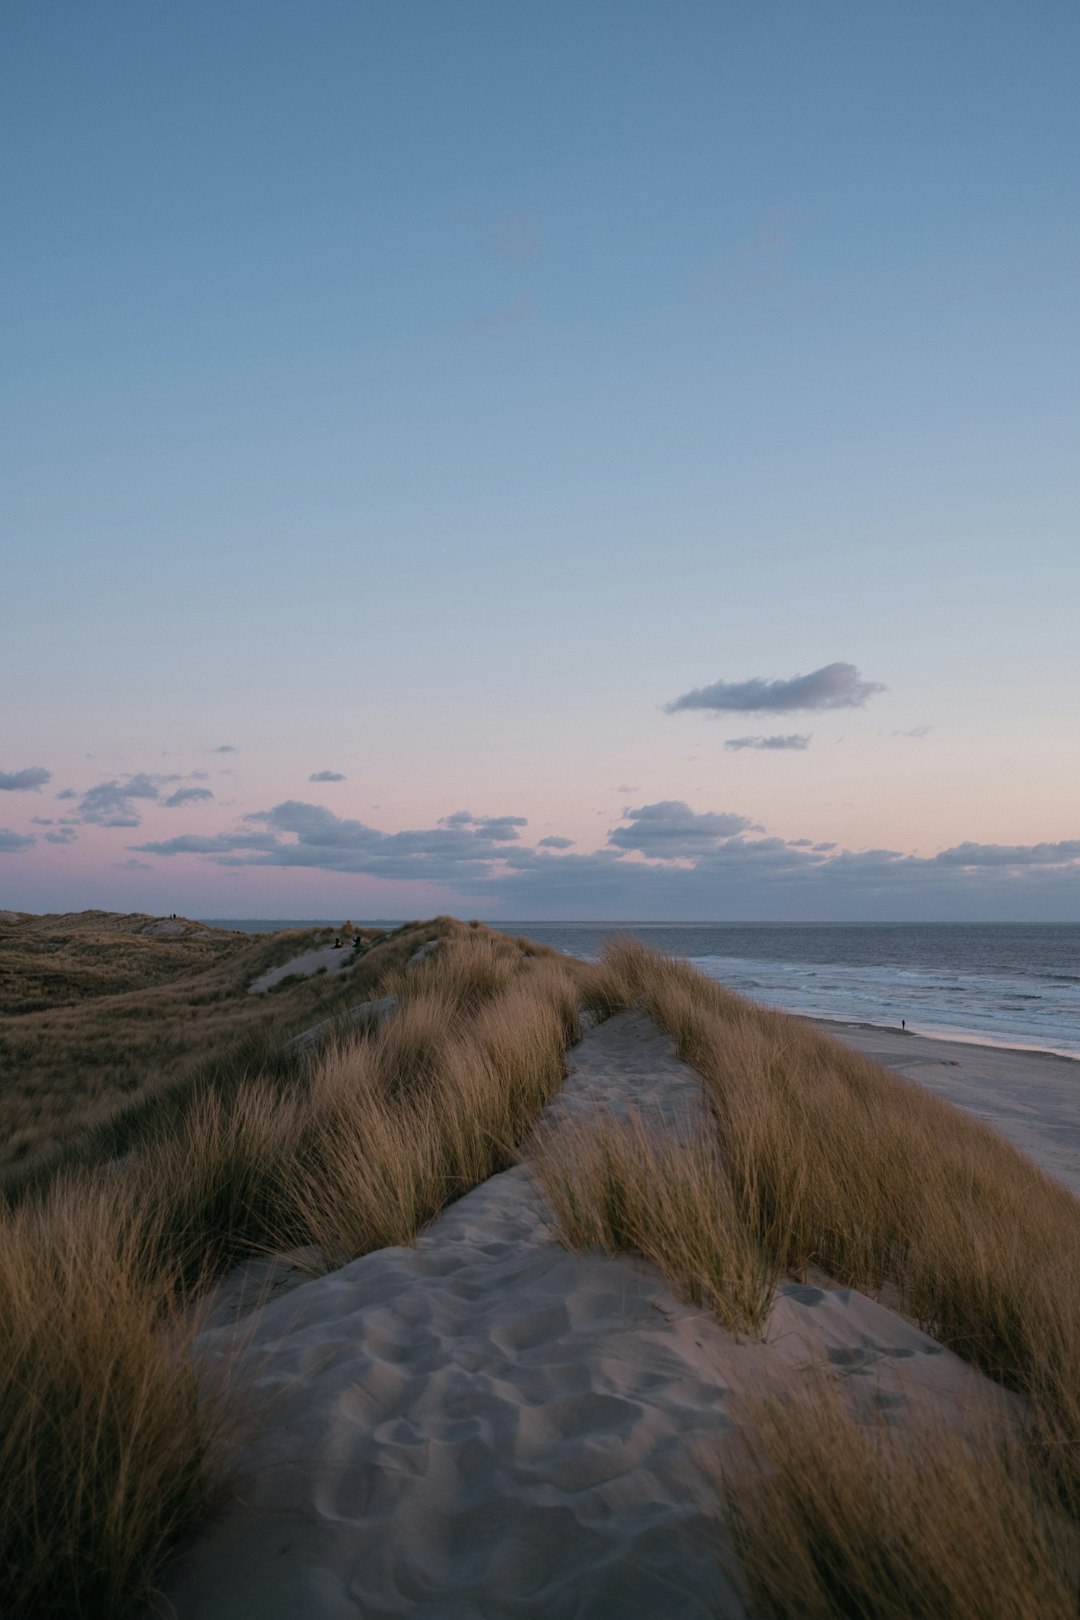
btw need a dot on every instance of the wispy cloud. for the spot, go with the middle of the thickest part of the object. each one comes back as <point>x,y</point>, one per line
<point>62,835</point>
<point>31,780</point>
<point>975,855</point>
<point>834,686</point>
<point>670,830</point>
<point>11,841</point>
<point>112,804</point>
<point>500,829</point>
<point>212,844</point>
<point>796,740</point>
<point>225,748</point>
<point>326,776</point>
<point>463,847</point>
<point>915,731</point>
<point>188,795</point>
<point>663,860</point>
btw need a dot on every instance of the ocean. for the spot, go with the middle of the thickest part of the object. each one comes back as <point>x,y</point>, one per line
<point>1001,983</point>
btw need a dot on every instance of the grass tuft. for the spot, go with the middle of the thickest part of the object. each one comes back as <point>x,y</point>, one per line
<point>632,1184</point>
<point>829,1517</point>
<point>837,1163</point>
<point>107,1448</point>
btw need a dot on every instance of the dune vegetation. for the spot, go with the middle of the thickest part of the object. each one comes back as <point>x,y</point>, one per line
<point>829,1516</point>
<point>812,1156</point>
<point>835,1162</point>
<point>114,1445</point>
<point>104,1021</point>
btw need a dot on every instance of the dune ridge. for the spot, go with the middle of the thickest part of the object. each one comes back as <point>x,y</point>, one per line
<point>489,1423</point>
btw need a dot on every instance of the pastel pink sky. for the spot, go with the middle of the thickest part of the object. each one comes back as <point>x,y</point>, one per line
<point>539,412</point>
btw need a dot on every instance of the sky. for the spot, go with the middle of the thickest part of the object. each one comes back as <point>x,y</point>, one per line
<point>596,459</point>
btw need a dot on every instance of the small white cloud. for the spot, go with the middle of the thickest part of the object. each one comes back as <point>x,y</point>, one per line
<point>834,686</point>
<point>795,740</point>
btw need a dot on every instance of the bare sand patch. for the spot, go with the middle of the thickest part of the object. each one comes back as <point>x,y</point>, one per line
<point>332,958</point>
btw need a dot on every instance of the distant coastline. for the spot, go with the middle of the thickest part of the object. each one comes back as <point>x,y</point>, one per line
<point>1014,986</point>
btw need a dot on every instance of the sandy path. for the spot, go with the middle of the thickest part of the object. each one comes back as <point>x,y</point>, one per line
<point>334,958</point>
<point>488,1426</point>
<point>1032,1098</point>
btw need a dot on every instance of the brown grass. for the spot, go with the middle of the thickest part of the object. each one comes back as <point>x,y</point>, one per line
<point>820,1158</point>
<point>107,1448</point>
<point>84,1080</point>
<point>828,1517</point>
<point>632,1184</point>
<point>836,1162</point>
<point>435,1101</point>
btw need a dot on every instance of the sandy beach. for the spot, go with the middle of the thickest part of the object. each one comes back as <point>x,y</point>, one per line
<point>1031,1098</point>
<point>486,1424</point>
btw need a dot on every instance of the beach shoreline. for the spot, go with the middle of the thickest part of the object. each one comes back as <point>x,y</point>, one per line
<point>939,1037</point>
<point>1030,1097</point>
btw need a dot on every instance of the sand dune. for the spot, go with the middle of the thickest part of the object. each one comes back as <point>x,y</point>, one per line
<point>488,1425</point>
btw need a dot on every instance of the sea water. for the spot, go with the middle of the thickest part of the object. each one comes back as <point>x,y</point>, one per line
<point>1005,984</point>
<point>1002,983</point>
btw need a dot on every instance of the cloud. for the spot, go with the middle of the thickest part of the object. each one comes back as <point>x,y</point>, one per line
<point>915,731</point>
<point>187,796</point>
<point>200,844</point>
<point>974,855</point>
<point>11,841</point>
<point>226,748</point>
<point>327,776</point>
<point>796,739</point>
<point>665,860</point>
<point>670,830</point>
<point>31,780</point>
<point>463,847</point>
<point>134,865</point>
<point>63,835</point>
<point>625,787</point>
<point>500,829</point>
<point>110,804</point>
<point>772,878</point>
<point>834,686</point>
<point>68,793</point>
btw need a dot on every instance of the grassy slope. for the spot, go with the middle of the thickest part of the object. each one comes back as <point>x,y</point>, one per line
<point>820,1157</point>
<point>132,1016</point>
<point>108,1447</point>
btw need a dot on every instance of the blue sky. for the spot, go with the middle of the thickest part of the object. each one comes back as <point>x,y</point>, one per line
<point>432,394</point>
